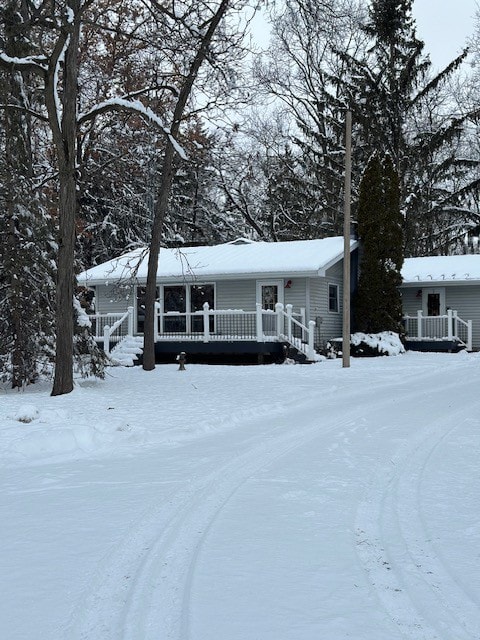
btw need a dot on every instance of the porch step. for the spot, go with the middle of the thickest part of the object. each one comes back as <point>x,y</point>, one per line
<point>127,351</point>
<point>293,353</point>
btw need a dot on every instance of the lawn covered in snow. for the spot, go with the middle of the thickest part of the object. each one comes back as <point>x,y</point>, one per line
<point>245,503</point>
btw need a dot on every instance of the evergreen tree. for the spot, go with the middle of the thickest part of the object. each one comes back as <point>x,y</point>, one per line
<point>397,108</point>
<point>378,305</point>
<point>26,244</point>
<point>329,55</point>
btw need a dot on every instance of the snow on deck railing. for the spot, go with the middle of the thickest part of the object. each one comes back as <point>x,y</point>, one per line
<point>215,325</point>
<point>295,332</point>
<point>444,327</point>
<point>112,327</point>
<point>261,325</point>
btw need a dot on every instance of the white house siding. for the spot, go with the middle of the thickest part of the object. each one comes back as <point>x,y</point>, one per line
<point>236,294</point>
<point>329,323</point>
<point>296,294</point>
<point>411,302</point>
<point>465,299</point>
<point>241,294</point>
<point>113,299</point>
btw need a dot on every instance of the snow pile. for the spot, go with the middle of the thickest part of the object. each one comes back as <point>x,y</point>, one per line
<point>385,343</point>
<point>116,416</point>
<point>25,413</point>
<point>59,435</point>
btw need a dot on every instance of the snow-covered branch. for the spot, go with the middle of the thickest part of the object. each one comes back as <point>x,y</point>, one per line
<point>28,63</point>
<point>121,104</point>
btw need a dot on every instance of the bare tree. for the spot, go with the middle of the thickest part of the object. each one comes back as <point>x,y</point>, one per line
<point>171,42</point>
<point>57,66</point>
<point>206,32</point>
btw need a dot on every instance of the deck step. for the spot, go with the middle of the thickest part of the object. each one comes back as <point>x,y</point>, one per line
<point>126,352</point>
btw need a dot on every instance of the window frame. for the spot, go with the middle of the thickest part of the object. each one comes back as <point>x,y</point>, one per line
<point>336,298</point>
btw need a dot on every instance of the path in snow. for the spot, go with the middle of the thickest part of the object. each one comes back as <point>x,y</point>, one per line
<point>158,582</point>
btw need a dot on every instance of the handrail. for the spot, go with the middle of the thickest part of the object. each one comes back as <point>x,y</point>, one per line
<point>261,325</point>
<point>109,331</point>
<point>443,327</point>
<point>309,349</point>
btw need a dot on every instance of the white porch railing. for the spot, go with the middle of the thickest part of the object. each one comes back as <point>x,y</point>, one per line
<point>215,325</point>
<point>112,327</point>
<point>446,327</point>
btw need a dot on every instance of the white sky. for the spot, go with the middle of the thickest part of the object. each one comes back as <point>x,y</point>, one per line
<point>444,26</point>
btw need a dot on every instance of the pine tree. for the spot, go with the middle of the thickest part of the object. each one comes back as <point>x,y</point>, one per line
<point>26,244</point>
<point>397,109</point>
<point>378,304</point>
<point>329,55</point>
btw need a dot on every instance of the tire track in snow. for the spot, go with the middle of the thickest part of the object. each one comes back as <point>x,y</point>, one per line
<point>415,588</point>
<point>142,590</point>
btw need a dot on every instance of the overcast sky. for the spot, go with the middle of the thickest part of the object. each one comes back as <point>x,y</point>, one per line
<point>444,26</point>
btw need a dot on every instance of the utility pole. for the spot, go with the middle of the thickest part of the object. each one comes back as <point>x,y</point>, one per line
<point>346,241</point>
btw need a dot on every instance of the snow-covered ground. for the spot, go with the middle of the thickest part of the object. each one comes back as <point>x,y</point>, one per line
<point>245,503</point>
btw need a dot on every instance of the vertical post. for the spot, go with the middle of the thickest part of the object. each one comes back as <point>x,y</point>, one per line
<point>259,323</point>
<point>289,309</point>
<point>97,325</point>
<point>469,335</point>
<point>130,321</point>
<point>206,322</point>
<point>346,241</point>
<point>303,319</point>
<point>419,323</point>
<point>156,310</point>
<point>279,312</point>
<point>311,336</point>
<point>106,339</point>
<point>450,324</point>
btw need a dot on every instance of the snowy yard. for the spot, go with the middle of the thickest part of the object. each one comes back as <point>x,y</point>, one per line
<point>245,503</point>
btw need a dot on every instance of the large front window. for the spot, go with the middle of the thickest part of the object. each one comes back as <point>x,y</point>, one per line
<point>175,302</point>
<point>178,304</point>
<point>199,295</point>
<point>141,307</point>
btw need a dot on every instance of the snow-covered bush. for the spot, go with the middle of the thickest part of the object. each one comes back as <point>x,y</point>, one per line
<point>385,343</point>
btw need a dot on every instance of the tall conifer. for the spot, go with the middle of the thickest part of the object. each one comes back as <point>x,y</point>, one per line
<point>378,302</point>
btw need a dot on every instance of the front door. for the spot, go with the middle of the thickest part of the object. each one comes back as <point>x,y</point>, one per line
<point>269,292</point>
<point>433,302</point>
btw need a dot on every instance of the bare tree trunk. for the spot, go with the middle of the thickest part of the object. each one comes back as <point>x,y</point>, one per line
<point>63,380</point>
<point>65,138</point>
<point>155,241</point>
<point>166,184</point>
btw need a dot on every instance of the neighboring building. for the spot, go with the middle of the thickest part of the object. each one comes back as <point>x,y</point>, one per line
<point>438,285</point>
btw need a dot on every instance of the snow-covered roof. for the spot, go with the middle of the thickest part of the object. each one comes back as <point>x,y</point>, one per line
<point>234,259</point>
<point>441,269</point>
